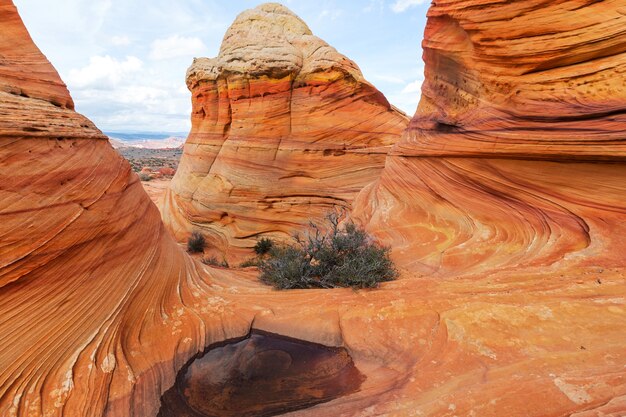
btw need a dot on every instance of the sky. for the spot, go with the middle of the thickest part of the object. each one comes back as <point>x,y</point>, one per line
<point>124,61</point>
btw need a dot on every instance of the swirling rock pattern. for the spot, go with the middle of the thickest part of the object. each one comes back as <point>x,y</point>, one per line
<point>284,128</point>
<point>510,183</point>
<point>95,296</point>
<point>100,308</point>
<point>515,156</point>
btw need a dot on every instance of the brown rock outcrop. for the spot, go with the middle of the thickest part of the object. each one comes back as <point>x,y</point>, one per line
<point>284,128</point>
<point>262,375</point>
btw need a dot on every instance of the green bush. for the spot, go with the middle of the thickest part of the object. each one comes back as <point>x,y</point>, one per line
<point>249,262</point>
<point>196,242</point>
<point>263,246</point>
<point>144,177</point>
<point>328,257</point>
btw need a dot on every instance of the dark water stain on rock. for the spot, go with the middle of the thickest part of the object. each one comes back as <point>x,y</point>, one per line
<point>262,375</point>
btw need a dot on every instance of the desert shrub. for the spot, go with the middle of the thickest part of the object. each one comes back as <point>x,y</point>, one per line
<point>196,242</point>
<point>263,246</point>
<point>144,177</point>
<point>249,262</point>
<point>214,262</point>
<point>210,261</point>
<point>327,257</point>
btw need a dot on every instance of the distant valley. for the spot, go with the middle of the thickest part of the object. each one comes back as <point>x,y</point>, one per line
<point>153,155</point>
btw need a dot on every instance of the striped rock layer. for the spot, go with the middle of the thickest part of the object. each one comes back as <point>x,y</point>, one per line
<point>510,183</point>
<point>515,156</point>
<point>100,308</point>
<point>284,129</point>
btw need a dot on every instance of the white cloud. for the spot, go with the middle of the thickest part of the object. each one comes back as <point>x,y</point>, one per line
<point>401,5</point>
<point>120,40</point>
<point>405,102</point>
<point>121,87</point>
<point>143,101</point>
<point>103,72</point>
<point>408,97</point>
<point>124,86</point>
<point>413,87</point>
<point>330,14</point>
<point>177,46</point>
<point>100,8</point>
<point>129,94</point>
<point>373,5</point>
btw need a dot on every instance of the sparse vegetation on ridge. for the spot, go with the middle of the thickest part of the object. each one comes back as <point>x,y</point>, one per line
<point>263,246</point>
<point>249,263</point>
<point>144,177</point>
<point>196,242</point>
<point>212,261</point>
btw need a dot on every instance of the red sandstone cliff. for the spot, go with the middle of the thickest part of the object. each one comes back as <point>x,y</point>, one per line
<point>535,79</point>
<point>284,129</point>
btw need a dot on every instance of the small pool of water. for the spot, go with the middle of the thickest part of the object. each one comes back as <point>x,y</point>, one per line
<point>263,375</point>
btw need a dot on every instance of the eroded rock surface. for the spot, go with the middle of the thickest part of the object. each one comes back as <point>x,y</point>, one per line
<point>262,375</point>
<point>99,307</point>
<point>535,79</point>
<point>94,294</point>
<point>284,128</point>
<point>511,299</point>
<point>506,194</point>
<point>515,156</point>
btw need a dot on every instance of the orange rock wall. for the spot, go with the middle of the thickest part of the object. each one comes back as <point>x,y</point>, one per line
<point>515,156</point>
<point>95,296</point>
<point>536,79</point>
<point>505,198</point>
<point>284,128</point>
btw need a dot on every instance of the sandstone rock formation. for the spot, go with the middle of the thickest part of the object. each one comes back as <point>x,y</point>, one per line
<point>515,157</point>
<point>90,281</point>
<point>284,128</point>
<point>100,308</point>
<point>533,80</point>
<point>506,194</point>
